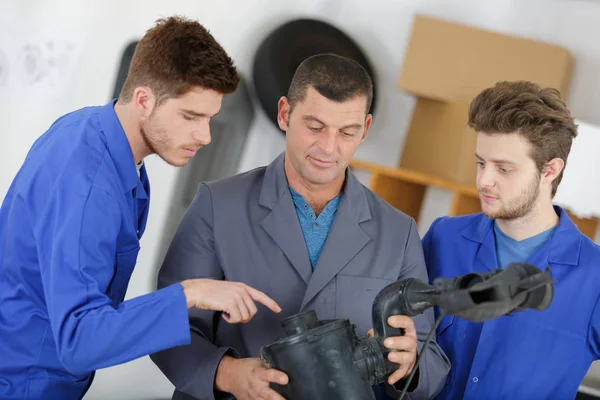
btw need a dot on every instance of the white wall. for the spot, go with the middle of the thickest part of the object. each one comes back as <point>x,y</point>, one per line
<point>100,29</point>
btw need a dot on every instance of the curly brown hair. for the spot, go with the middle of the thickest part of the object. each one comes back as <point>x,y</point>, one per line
<point>537,113</point>
<point>176,55</point>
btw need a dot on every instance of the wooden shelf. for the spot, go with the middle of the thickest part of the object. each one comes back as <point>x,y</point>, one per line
<point>405,190</point>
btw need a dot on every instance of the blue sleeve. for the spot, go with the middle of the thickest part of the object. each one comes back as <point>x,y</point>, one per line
<point>77,244</point>
<point>594,330</point>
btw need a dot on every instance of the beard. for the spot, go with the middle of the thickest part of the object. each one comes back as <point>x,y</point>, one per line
<point>147,138</point>
<point>521,206</point>
<point>156,140</point>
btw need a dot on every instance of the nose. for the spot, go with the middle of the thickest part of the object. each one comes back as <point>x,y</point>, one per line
<point>201,134</point>
<point>485,176</point>
<point>328,141</point>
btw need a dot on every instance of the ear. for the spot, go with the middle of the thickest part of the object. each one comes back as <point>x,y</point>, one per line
<point>552,169</point>
<point>144,101</point>
<point>368,121</point>
<point>283,113</point>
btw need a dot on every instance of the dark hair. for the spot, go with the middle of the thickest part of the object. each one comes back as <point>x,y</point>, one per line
<point>536,113</point>
<point>176,55</point>
<point>335,77</point>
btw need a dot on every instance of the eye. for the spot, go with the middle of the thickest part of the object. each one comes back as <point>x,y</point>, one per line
<point>347,134</point>
<point>504,170</point>
<point>314,129</point>
<point>188,117</point>
<point>480,164</point>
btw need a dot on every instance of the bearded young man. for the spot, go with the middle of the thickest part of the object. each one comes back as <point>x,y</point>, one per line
<point>524,135</point>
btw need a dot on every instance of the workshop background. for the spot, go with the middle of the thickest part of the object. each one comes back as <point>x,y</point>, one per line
<point>62,55</point>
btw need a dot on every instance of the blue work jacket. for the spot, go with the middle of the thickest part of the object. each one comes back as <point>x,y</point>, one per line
<point>529,354</point>
<point>70,226</point>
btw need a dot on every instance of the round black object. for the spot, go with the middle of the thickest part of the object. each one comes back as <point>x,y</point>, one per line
<point>319,359</point>
<point>280,54</point>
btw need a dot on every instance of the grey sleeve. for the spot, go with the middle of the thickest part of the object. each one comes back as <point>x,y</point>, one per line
<point>434,366</point>
<point>192,368</point>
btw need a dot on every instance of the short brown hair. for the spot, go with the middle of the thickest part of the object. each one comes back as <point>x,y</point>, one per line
<point>176,55</point>
<point>536,113</point>
<point>335,77</point>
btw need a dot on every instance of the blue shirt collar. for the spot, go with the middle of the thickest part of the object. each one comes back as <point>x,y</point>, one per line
<point>564,246</point>
<point>119,148</point>
<point>302,204</point>
<point>275,187</point>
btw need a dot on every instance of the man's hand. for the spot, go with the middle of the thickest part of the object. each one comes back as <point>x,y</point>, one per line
<point>406,346</point>
<point>234,299</point>
<point>248,379</point>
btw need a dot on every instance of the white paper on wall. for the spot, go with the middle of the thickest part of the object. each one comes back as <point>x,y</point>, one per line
<point>579,191</point>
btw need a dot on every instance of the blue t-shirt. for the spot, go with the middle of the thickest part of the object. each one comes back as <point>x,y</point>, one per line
<point>509,250</point>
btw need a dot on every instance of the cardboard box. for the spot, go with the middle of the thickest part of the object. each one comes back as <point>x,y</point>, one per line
<point>439,142</point>
<point>446,61</point>
<point>446,65</point>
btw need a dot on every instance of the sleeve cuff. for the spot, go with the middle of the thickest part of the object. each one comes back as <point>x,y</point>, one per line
<point>218,395</point>
<point>395,390</point>
<point>176,324</point>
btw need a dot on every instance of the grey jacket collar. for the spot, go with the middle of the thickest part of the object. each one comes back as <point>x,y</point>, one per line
<point>346,237</point>
<point>275,186</point>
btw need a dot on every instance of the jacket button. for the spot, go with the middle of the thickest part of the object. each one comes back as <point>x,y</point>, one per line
<point>475,379</point>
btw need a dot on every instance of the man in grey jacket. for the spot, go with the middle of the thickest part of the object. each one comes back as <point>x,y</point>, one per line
<point>304,231</point>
